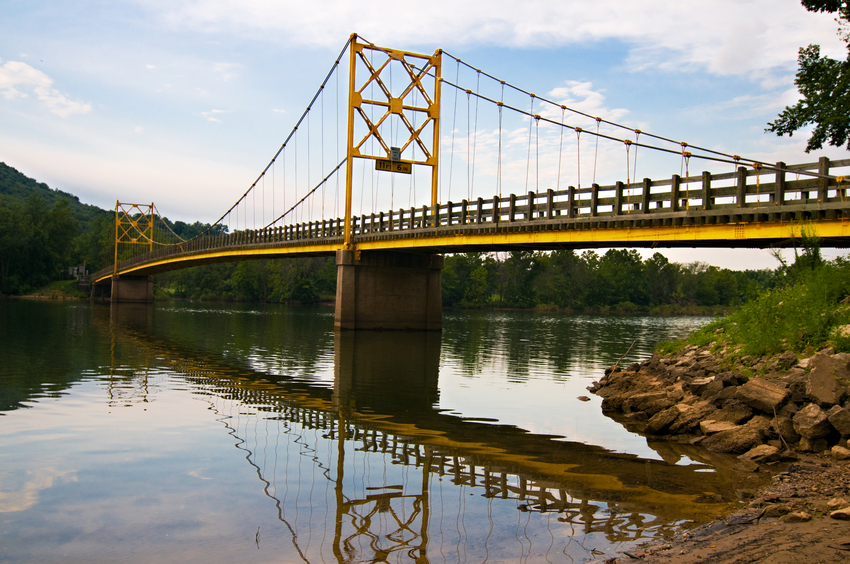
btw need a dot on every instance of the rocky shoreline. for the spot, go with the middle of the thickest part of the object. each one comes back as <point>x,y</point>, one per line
<point>781,414</point>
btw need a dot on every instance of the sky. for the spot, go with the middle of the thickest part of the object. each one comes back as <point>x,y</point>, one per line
<point>184,103</point>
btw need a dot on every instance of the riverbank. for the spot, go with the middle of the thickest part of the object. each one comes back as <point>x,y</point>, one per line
<point>779,414</point>
<point>786,522</point>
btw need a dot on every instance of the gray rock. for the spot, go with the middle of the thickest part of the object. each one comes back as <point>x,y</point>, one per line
<point>726,393</point>
<point>777,510</point>
<point>783,426</point>
<point>823,385</point>
<point>711,427</point>
<point>651,402</point>
<point>762,395</point>
<point>795,379</point>
<point>690,418</point>
<point>812,445</point>
<point>840,453</point>
<point>841,514</point>
<point>698,385</point>
<point>837,503</point>
<point>659,422</point>
<point>713,388</point>
<point>746,466</point>
<point>796,517</point>
<point>840,419</point>
<point>783,361</point>
<point>811,422</point>
<point>740,439</point>
<point>735,411</point>
<point>761,454</point>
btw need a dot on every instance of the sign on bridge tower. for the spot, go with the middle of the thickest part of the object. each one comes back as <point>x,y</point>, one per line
<point>408,105</point>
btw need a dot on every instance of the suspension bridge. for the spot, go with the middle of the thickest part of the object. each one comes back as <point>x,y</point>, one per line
<point>524,173</point>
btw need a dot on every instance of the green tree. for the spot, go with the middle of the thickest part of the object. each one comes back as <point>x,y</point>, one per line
<point>520,270</point>
<point>824,85</point>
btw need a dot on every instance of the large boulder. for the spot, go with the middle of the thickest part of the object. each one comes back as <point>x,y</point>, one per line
<point>650,402</point>
<point>840,419</point>
<point>711,427</point>
<point>763,454</point>
<point>659,422</point>
<point>741,439</point>
<point>763,395</point>
<point>783,424</point>
<point>735,411</point>
<point>811,422</point>
<point>795,380</point>
<point>691,416</point>
<point>824,384</point>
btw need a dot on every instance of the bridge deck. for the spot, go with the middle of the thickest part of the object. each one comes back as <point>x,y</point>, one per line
<point>726,210</point>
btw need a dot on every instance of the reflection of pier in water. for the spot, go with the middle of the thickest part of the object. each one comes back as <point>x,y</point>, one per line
<point>397,466</point>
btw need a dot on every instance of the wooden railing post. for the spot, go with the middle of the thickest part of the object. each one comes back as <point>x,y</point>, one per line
<point>741,196</point>
<point>530,215</point>
<point>674,192</point>
<point>618,199</point>
<point>823,181</point>
<point>512,208</point>
<point>647,184</point>
<point>463,211</point>
<point>572,210</point>
<point>550,203</point>
<point>497,211</point>
<point>707,199</point>
<point>479,211</point>
<point>594,200</point>
<point>449,213</point>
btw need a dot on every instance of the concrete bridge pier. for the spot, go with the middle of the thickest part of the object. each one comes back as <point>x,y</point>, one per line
<point>388,290</point>
<point>132,289</point>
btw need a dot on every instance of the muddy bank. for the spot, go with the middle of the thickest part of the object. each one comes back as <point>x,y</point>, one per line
<point>779,414</point>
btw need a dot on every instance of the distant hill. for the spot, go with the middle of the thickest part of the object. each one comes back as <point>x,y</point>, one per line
<point>15,186</point>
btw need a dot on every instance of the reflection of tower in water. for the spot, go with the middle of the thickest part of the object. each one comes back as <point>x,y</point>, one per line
<point>366,473</point>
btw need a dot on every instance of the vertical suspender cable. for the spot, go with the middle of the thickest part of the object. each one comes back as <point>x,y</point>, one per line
<point>560,149</point>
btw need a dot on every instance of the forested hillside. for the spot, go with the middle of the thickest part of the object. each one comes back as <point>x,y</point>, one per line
<point>44,231</point>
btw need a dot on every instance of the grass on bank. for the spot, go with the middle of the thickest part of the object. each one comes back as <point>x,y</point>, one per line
<point>806,315</point>
<point>59,289</point>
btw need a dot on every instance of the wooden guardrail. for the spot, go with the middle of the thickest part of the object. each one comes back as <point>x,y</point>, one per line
<point>780,193</point>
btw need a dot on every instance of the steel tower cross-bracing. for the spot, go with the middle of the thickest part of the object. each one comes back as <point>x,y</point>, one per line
<point>375,108</point>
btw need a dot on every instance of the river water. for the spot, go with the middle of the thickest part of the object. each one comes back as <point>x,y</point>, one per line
<point>196,432</point>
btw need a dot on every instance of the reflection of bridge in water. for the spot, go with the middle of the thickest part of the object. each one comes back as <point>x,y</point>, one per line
<point>366,469</point>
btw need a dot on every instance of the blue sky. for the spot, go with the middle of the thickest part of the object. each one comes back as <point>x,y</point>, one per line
<point>184,102</point>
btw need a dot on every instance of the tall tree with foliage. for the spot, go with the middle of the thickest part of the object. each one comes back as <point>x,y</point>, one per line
<point>824,84</point>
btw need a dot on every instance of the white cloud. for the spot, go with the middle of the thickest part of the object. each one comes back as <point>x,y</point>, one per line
<point>582,97</point>
<point>226,71</point>
<point>724,37</point>
<point>150,67</point>
<point>210,115</point>
<point>17,79</point>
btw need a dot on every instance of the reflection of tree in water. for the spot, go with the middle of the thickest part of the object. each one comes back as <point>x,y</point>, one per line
<point>559,344</point>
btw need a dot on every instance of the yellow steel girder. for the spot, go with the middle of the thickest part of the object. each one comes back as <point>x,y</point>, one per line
<point>615,237</point>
